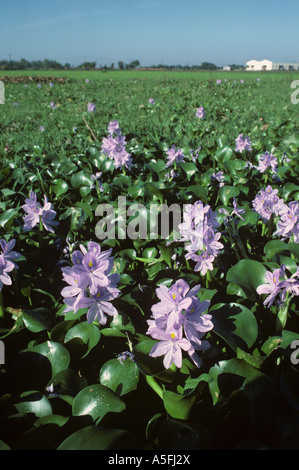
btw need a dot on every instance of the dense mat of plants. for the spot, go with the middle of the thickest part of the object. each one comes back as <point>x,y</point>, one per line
<point>141,342</point>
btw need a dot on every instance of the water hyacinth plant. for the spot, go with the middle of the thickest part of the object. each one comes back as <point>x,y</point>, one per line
<point>146,338</point>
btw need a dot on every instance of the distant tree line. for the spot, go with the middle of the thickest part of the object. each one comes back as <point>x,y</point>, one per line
<point>48,64</point>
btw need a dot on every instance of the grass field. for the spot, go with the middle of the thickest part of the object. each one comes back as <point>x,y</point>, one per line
<point>153,75</point>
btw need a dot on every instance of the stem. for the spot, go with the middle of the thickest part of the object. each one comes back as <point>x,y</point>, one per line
<point>208,278</point>
<point>92,133</point>
<point>154,385</point>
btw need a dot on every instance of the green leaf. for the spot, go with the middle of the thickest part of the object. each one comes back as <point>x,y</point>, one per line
<point>235,324</point>
<point>97,400</point>
<point>223,154</point>
<point>273,247</point>
<point>189,168</point>
<point>236,374</point>
<point>80,179</point>
<point>56,353</point>
<point>100,438</point>
<point>228,192</point>
<point>248,274</point>
<point>37,320</point>
<point>33,402</point>
<point>178,406</point>
<point>59,187</point>
<point>121,377</point>
<point>7,216</point>
<point>87,332</point>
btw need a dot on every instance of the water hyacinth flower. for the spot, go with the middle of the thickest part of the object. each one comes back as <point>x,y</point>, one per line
<point>218,81</point>
<point>53,105</point>
<point>219,177</point>
<point>199,231</point>
<point>114,128</point>
<point>278,286</point>
<point>151,101</point>
<point>114,146</point>
<point>39,85</point>
<point>288,224</point>
<point>91,107</point>
<point>200,113</point>
<point>36,213</point>
<point>170,346</point>
<point>243,143</point>
<point>178,322</point>
<point>267,203</point>
<point>267,161</point>
<point>91,284</point>
<point>174,154</point>
<point>7,261</point>
<point>42,128</point>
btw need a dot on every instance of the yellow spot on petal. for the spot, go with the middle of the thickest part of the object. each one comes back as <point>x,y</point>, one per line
<point>90,264</point>
<point>173,296</point>
<point>172,335</point>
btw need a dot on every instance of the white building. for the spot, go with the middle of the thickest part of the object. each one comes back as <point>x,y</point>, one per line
<point>257,65</point>
<point>227,68</point>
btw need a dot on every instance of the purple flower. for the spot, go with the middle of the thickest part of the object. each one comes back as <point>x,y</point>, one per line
<point>122,159</point>
<point>151,101</point>
<point>267,203</point>
<point>288,225</point>
<point>5,268</point>
<point>90,283</point>
<point>237,211</point>
<point>42,128</point>
<point>53,105</point>
<point>195,323</point>
<point>242,143</point>
<point>7,263</point>
<point>170,346</point>
<point>174,154</point>
<point>99,305</point>
<point>278,285</point>
<point>267,160</point>
<point>36,213</point>
<point>218,81</point>
<point>172,302</point>
<point>51,84</point>
<point>114,147</point>
<point>204,261</point>
<point>272,287</point>
<point>7,252</point>
<point>198,228</point>
<point>91,108</point>
<point>219,177</point>
<point>39,85</point>
<point>86,80</point>
<point>113,127</point>
<point>179,311</point>
<point>200,113</point>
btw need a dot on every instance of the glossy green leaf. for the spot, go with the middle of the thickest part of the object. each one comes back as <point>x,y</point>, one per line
<point>120,376</point>
<point>56,353</point>
<point>248,274</point>
<point>100,438</point>
<point>97,400</point>
<point>236,324</point>
<point>87,332</point>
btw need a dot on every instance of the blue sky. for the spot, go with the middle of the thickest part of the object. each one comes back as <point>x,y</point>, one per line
<point>152,31</point>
